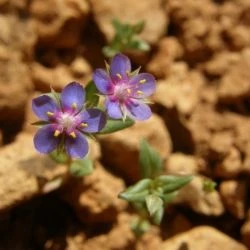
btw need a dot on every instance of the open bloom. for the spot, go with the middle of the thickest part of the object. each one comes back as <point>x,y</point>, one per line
<point>125,92</point>
<point>65,121</point>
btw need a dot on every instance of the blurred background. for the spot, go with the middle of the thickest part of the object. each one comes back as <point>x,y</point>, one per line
<point>199,52</point>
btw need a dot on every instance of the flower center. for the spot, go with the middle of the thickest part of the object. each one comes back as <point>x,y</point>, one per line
<point>122,91</point>
<point>67,121</point>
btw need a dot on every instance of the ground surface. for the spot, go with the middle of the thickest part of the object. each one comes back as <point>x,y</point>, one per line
<point>200,56</point>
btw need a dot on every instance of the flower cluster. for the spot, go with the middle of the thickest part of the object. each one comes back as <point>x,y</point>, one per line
<point>66,121</point>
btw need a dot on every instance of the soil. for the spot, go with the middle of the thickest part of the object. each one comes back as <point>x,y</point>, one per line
<point>200,56</point>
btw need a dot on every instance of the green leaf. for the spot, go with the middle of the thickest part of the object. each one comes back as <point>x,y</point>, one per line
<point>109,51</point>
<point>137,192</point>
<point>157,217</point>
<point>139,45</point>
<point>150,161</point>
<point>169,197</point>
<point>209,185</point>
<point>92,97</point>
<point>140,226</point>
<point>82,167</point>
<point>138,27</point>
<point>153,203</point>
<point>171,183</point>
<point>59,157</point>
<point>116,125</point>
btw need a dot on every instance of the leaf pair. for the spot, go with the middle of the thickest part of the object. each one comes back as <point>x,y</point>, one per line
<point>126,38</point>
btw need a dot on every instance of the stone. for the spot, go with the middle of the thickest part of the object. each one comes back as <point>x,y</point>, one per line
<point>130,11</point>
<point>123,145</point>
<point>15,80</point>
<point>66,18</point>
<point>194,196</point>
<point>202,237</point>
<point>92,199</point>
<point>180,90</point>
<point>235,84</point>
<point>58,77</point>
<point>181,164</point>
<point>231,165</point>
<point>168,50</point>
<point>233,194</point>
<point>31,174</point>
<point>245,230</point>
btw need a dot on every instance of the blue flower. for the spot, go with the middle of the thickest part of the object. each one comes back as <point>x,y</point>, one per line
<point>66,121</point>
<point>125,92</point>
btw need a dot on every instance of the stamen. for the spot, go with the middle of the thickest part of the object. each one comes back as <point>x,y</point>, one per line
<point>57,132</point>
<point>139,92</point>
<point>84,124</point>
<point>143,81</point>
<point>73,135</point>
<point>119,76</point>
<point>129,91</point>
<point>50,113</point>
<point>74,105</point>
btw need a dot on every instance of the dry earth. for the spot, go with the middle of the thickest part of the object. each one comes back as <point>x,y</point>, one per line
<point>201,124</point>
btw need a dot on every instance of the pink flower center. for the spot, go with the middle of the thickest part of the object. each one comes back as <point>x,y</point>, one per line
<point>122,91</point>
<point>68,121</point>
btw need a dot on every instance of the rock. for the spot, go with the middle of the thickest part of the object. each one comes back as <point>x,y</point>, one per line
<point>197,28</point>
<point>202,237</point>
<point>92,199</point>
<point>59,76</point>
<point>15,82</point>
<point>235,84</point>
<point>130,11</point>
<point>66,18</point>
<point>182,164</point>
<point>231,165</point>
<point>221,143</point>
<point>181,90</point>
<point>168,50</point>
<point>200,201</point>
<point>245,230</point>
<point>124,145</point>
<point>31,174</point>
<point>233,194</point>
<point>221,63</point>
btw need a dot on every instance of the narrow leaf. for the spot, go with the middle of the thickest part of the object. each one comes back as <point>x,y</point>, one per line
<point>134,197</point>
<point>92,97</point>
<point>154,203</point>
<point>169,197</point>
<point>150,161</point>
<point>138,27</point>
<point>171,183</point>
<point>136,192</point>
<point>82,167</point>
<point>116,125</point>
<point>157,217</point>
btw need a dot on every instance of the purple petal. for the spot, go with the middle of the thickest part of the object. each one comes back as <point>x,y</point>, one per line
<point>45,141</point>
<point>120,65</point>
<point>145,84</point>
<point>43,104</point>
<point>138,110</point>
<point>95,120</point>
<point>76,147</point>
<point>113,109</point>
<point>73,96</point>
<point>102,81</point>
